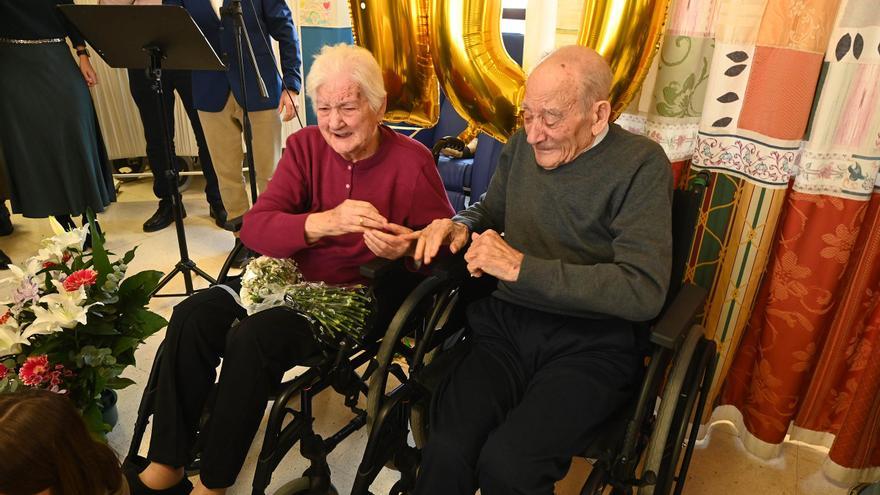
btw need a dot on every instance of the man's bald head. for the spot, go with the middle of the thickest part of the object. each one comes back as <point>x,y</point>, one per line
<point>581,66</point>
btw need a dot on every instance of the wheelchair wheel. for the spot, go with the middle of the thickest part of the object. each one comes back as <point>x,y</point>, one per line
<point>418,313</point>
<point>302,486</point>
<point>668,402</point>
<point>672,473</point>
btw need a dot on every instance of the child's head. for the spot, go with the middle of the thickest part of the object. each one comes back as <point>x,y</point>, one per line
<point>44,445</point>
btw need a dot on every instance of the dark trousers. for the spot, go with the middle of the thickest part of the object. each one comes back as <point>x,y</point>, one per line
<point>526,398</point>
<point>145,99</point>
<point>256,353</point>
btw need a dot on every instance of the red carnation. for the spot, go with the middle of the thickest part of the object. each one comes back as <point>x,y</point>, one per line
<point>3,371</point>
<point>5,317</point>
<point>80,278</point>
<point>33,369</point>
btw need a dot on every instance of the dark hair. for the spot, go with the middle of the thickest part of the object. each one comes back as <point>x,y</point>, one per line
<point>44,444</point>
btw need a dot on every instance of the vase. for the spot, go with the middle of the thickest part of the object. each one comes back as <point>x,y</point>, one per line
<point>109,413</point>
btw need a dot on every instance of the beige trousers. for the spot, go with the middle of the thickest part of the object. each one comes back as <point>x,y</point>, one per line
<point>223,132</point>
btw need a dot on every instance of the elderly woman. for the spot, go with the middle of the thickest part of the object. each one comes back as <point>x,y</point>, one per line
<point>344,193</point>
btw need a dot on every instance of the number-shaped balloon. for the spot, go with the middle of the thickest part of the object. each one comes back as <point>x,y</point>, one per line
<point>396,33</point>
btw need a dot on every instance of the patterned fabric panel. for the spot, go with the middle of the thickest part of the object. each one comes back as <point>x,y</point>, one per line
<point>845,117</point>
<point>743,258</point>
<point>846,378</point>
<point>731,66</point>
<point>766,162</point>
<point>798,24</point>
<point>794,309</point>
<point>693,18</point>
<point>780,92</point>
<point>839,174</point>
<point>739,21</point>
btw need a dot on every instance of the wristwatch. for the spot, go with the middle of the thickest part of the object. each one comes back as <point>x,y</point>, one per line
<point>83,51</point>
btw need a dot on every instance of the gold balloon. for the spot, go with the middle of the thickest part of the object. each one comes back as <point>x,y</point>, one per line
<point>396,33</point>
<point>627,33</point>
<point>480,79</point>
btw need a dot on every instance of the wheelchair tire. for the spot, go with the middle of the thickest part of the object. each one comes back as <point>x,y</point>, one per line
<point>391,342</point>
<point>674,382</point>
<point>302,486</point>
<point>672,473</point>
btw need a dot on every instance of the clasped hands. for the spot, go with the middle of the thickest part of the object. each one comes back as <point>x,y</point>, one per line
<point>385,239</point>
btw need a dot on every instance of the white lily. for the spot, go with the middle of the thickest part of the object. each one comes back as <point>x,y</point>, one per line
<point>10,337</point>
<point>63,310</point>
<point>53,247</point>
<point>10,341</point>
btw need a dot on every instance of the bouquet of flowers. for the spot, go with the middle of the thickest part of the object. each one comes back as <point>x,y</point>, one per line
<point>70,321</point>
<point>336,312</point>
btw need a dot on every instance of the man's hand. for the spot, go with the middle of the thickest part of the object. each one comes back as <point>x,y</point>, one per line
<point>350,216</point>
<point>439,232</point>
<point>489,253</point>
<point>88,73</point>
<point>288,105</point>
<point>391,244</point>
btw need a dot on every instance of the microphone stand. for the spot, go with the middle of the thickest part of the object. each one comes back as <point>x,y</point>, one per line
<point>186,265</point>
<point>234,10</point>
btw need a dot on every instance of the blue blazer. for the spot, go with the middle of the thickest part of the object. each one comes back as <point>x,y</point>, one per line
<point>273,18</point>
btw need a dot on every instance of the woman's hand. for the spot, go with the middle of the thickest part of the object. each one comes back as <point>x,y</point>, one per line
<point>88,73</point>
<point>350,216</point>
<point>389,244</point>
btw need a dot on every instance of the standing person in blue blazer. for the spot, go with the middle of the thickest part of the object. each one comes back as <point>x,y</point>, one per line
<point>218,95</point>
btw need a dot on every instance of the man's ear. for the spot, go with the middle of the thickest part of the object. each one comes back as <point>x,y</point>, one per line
<point>601,113</point>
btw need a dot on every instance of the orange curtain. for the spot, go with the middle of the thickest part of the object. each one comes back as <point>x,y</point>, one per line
<point>810,355</point>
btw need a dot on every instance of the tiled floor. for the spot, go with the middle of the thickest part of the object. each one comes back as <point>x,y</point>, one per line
<point>720,465</point>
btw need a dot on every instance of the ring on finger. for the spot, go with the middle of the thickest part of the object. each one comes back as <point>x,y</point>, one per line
<point>362,220</point>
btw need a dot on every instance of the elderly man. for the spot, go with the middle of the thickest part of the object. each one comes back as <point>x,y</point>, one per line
<point>585,210</point>
<point>344,193</point>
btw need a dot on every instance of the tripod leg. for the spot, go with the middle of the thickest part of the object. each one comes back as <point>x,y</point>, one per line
<point>167,278</point>
<point>202,274</point>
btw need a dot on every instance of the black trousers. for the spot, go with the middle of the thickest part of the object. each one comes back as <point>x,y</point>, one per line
<point>256,353</point>
<point>151,114</point>
<point>526,398</point>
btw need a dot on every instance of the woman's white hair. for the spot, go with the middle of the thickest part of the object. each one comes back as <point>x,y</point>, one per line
<point>350,61</point>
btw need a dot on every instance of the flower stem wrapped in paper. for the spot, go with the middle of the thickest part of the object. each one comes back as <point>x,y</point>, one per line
<point>336,313</point>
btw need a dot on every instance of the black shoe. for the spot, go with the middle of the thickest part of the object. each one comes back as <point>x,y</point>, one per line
<point>4,260</point>
<point>137,487</point>
<point>163,217</point>
<point>5,220</point>
<point>218,213</point>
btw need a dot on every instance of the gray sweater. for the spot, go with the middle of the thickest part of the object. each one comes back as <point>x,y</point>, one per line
<point>595,232</point>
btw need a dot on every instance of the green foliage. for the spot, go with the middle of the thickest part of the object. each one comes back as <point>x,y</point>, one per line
<point>92,355</point>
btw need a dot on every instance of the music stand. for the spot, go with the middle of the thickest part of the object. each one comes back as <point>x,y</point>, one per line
<point>151,37</point>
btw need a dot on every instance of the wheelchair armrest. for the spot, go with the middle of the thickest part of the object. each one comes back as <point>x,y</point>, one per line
<point>379,268</point>
<point>678,316</point>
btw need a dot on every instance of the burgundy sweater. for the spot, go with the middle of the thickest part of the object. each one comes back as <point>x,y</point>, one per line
<point>400,180</point>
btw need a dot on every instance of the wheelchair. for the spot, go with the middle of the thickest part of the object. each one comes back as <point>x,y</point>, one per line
<point>645,447</point>
<point>290,419</point>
